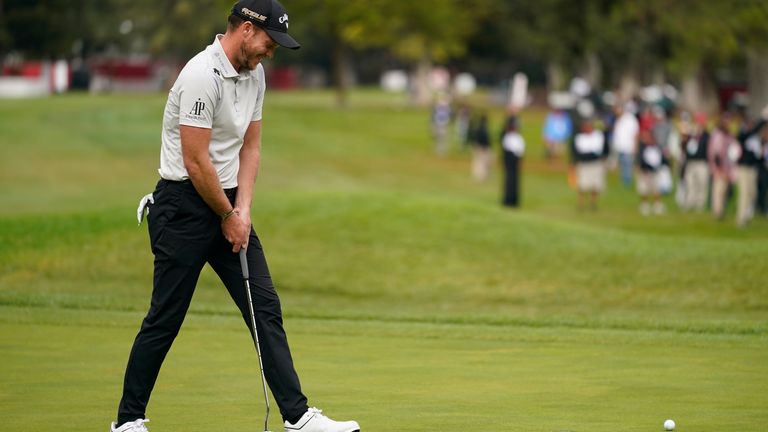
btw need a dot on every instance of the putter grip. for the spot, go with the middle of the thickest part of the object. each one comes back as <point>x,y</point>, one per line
<point>244,263</point>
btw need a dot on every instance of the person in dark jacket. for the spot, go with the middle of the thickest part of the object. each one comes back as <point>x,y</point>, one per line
<point>481,149</point>
<point>762,178</point>
<point>588,153</point>
<point>650,161</point>
<point>696,177</point>
<point>749,160</point>
<point>512,148</point>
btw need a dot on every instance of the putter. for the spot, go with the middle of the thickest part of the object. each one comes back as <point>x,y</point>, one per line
<point>244,268</point>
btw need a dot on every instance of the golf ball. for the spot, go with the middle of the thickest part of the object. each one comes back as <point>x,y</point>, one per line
<point>669,425</point>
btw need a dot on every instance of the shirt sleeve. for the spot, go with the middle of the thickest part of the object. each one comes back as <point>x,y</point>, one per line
<point>257,109</point>
<point>198,95</point>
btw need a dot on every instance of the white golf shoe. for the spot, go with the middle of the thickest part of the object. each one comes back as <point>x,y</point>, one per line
<point>314,421</point>
<point>134,426</point>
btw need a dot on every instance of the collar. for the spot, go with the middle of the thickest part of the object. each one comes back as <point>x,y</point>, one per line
<point>221,60</point>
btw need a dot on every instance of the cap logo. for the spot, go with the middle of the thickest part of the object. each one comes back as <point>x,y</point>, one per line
<point>284,20</point>
<point>257,16</point>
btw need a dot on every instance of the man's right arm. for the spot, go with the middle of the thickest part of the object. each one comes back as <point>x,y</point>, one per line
<point>202,173</point>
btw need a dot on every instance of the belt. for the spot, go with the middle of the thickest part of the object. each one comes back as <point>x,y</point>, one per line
<point>230,192</point>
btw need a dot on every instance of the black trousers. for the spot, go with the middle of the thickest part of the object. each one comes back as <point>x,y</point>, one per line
<point>511,195</point>
<point>185,234</point>
<point>762,190</point>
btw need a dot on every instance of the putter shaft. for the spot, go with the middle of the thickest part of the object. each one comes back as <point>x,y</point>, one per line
<point>244,268</point>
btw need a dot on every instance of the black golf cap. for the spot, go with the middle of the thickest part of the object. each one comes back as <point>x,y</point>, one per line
<point>268,15</point>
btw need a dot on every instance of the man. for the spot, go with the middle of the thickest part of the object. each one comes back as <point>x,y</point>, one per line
<point>721,143</point>
<point>512,150</point>
<point>649,163</point>
<point>558,128</point>
<point>200,212</point>
<point>762,178</point>
<point>588,154</point>
<point>696,175</point>
<point>750,158</point>
<point>624,136</point>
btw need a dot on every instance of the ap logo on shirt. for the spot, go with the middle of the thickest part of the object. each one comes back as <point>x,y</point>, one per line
<point>198,108</point>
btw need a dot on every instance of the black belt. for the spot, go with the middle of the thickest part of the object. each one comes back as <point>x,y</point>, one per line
<point>230,193</point>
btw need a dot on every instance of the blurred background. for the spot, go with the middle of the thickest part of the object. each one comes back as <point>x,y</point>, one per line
<point>714,54</point>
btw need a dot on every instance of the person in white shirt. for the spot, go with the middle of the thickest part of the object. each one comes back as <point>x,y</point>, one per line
<point>588,153</point>
<point>624,141</point>
<point>200,212</point>
<point>513,149</point>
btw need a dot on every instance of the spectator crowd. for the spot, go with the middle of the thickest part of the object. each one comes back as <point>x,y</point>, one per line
<point>707,163</point>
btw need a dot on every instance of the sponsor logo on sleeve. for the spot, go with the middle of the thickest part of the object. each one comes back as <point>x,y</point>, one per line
<point>196,113</point>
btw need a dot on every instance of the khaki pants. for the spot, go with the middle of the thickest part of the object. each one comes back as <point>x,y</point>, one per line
<point>696,184</point>
<point>481,163</point>
<point>719,193</point>
<point>746,182</point>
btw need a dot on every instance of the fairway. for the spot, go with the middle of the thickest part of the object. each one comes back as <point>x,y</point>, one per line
<point>413,301</point>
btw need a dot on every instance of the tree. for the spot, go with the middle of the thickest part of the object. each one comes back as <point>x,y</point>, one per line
<point>422,32</point>
<point>27,26</point>
<point>749,25</point>
<point>414,31</point>
<point>344,26</point>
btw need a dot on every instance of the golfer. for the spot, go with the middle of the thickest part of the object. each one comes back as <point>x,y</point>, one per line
<point>200,212</point>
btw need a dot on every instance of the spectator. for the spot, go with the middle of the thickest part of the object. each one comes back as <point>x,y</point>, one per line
<point>646,119</point>
<point>463,124</point>
<point>662,131</point>
<point>441,118</point>
<point>513,148</point>
<point>481,149</point>
<point>624,136</point>
<point>748,162</point>
<point>721,143</point>
<point>650,161</point>
<point>684,129</point>
<point>558,128</point>
<point>696,175</point>
<point>762,178</point>
<point>588,153</point>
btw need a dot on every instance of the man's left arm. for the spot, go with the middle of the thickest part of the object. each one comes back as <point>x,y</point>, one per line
<point>250,158</point>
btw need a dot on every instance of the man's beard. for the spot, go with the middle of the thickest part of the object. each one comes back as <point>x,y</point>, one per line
<point>244,59</point>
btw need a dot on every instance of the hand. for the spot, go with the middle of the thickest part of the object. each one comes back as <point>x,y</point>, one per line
<point>245,214</point>
<point>764,113</point>
<point>237,230</point>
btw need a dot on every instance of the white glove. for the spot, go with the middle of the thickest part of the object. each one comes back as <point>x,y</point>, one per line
<point>146,200</point>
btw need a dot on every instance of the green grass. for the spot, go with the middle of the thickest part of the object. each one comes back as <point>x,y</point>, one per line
<point>412,299</point>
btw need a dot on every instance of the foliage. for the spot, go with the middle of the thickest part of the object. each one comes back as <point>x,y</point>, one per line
<point>635,37</point>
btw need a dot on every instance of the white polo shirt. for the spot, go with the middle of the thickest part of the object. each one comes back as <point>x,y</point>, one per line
<point>210,94</point>
<point>625,133</point>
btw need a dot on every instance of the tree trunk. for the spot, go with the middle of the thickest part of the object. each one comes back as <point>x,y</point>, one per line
<point>593,70</point>
<point>421,93</point>
<point>698,93</point>
<point>339,63</point>
<point>629,86</point>
<point>757,80</point>
<point>555,77</point>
